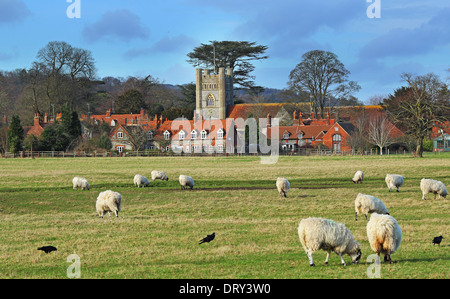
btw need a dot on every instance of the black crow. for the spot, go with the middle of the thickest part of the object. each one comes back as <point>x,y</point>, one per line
<point>47,249</point>
<point>437,240</point>
<point>208,238</point>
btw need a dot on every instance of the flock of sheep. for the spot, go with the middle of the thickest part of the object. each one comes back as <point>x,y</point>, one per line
<point>110,201</point>
<point>383,231</point>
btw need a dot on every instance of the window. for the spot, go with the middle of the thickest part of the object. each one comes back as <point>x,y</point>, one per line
<point>286,135</point>
<point>220,148</point>
<point>336,129</point>
<point>299,135</point>
<point>220,134</point>
<point>182,135</point>
<point>166,135</point>
<point>120,149</point>
<point>204,135</point>
<point>120,135</point>
<point>149,135</point>
<point>337,142</point>
<point>210,100</point>
<point>194,134</point>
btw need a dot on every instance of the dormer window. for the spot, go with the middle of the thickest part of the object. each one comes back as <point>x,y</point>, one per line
<point>220,134</point>
<point>194,134</point>
<point>300,136</point>
<point>182,135</point>
<point>286,135</point>
<point>149,135</point>
<point>204,134</point>
<point>167,135</point>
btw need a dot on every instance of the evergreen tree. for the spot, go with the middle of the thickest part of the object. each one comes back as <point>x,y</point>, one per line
<point>16,135</point>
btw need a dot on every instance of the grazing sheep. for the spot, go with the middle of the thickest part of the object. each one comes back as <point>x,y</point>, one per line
<point>384,235</point>
<point>159,175</point>
<point>186,181</point>
<point>108,201</point>
<point>358,177</point>
<point>141,180</point>
<point>365,204</point>
<point>394,181</point>
<point>433,186</point>
<point>318,233</point>
<point>282,186</point>
<point>81,183</point>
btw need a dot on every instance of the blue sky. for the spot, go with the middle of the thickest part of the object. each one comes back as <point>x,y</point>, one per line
<point>152,37</point>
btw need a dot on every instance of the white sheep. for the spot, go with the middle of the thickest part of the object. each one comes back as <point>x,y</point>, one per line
<point>108,201</point>
<point>318,233</point>
<point>394,181</point>
<point>358,177</point>
<point>433,186</point>
<point>81,183</point>
<point>365,204</point>
<point>186,181</point>
<point>159,175</point>
<point>384,235</point>
<point>140,180</point>
<point>282,186</point>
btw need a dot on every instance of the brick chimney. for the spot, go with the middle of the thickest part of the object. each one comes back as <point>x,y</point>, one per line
<point>36,119</point>
<point>108,113</point>
<point>295,114</point>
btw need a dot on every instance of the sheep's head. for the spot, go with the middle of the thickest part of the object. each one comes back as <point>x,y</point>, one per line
<point>355,254</point>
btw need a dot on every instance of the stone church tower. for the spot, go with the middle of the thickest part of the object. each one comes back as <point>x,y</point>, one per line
<point>214,93</point>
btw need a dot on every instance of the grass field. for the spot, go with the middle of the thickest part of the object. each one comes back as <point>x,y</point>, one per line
<point>157,231</point>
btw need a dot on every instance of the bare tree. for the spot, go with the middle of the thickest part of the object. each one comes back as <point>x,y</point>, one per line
<point>324,77</point>
<point>379,133</point>
<point>420,106</point>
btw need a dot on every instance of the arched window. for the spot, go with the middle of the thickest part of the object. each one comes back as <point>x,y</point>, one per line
<point>337,142</point>
<point>210,101</point>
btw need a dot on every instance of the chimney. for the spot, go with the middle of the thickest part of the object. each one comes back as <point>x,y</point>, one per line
<point>161,119</point>
<point>142,112</point>
<point>45,118</point>
<point>108,113</point>
<point>300,117</point>
<point>269,120</point>
<point>36,119</point>
<point>312,115</point>
<point>295,114</point>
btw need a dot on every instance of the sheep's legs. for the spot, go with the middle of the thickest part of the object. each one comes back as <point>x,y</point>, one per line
<point>117,213</point>
<point>310,257</point>
<point>328,256</point>
<point>342,260</point>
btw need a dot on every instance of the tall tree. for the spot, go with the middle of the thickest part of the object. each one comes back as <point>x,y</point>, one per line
<point>15,135</point>
<point>419,106</point>
<point>130,102</point>
<point>237,55</point>
<point>379,132</point>
<point>323,76</point>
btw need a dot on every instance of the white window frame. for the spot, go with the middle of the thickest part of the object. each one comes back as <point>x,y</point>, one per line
<point>220,134</point>
<point>204,135</point>
<point>166,135</point>
<point>120,135</point>
<point>194,135</point>
<point>181,135</point>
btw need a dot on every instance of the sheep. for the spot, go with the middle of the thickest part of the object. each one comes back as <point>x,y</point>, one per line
<point>384,235</point>
<point>141,180</point>
<point>394,181</point>
<point>358,177</point>
<point>433,186</point>
<point>159,175</point>
<point>318,233</point>
<point>282,186</point>
<point>365,204</point>
<point>186,181</point>
<point>80,182</point>
<point>109,201</point>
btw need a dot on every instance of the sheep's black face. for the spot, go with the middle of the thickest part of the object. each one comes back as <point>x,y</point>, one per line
<point>356,257</point>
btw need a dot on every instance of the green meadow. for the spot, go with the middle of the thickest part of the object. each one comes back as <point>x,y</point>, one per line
<point>156,235</point>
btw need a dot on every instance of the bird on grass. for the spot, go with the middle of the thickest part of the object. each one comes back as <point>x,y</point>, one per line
<point>437,240</point>
<point>47,249</point>
<point>208,238</point>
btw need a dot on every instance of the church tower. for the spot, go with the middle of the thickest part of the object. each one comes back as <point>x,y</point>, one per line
<point>214,93</point>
